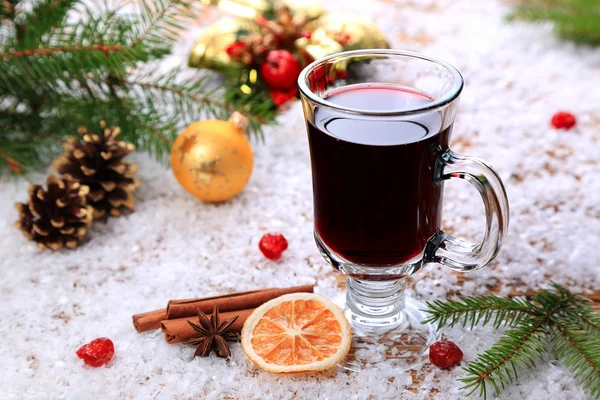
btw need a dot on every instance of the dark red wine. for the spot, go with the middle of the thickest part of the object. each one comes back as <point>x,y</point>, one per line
<point>375,198</point>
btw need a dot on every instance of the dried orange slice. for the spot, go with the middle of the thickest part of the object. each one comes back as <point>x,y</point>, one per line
<point>297,332</point>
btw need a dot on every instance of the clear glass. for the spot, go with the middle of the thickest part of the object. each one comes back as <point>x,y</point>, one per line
<point>375,243</point>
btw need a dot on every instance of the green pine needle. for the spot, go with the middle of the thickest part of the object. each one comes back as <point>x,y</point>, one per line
<point>555,318</point>
<point>68,63</point>
<point>576,20</point>
<point>580,353</point>
<point>471,311</point>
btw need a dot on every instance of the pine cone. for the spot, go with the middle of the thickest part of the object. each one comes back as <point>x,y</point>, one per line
<point>97,162</point>
<point>55,217</point>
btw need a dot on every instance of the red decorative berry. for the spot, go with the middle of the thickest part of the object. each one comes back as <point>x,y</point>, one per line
<point>563,120</point>
<point>261,20</point>
<point>280,97</point>
<point>97,352</point>
<point>343,39</point>
<point>235,48</point>
<point>280,70</point>
<point>445,354</point>
<point>272,245</point>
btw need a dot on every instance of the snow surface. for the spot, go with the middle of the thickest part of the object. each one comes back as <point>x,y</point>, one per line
<point>517,75</point>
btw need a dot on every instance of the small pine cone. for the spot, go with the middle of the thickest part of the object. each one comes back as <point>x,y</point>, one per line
<point>97,162</point>
<point>56,217</point>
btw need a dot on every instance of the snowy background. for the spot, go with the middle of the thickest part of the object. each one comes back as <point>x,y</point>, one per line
<point>517,75</point>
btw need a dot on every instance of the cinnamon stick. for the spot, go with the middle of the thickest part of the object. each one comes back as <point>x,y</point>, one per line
<point>149,321</point>
<point>178,330</point>
<point>230,302</point>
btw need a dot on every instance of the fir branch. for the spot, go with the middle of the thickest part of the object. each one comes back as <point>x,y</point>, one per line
<point>591,324</point>
<point>577,20</point>
<point>68,63</point>
<point>162,20</point>
<point>580,353</point>
<point>471,311</point>
<point>517,349</point>
<point>213,107</point>
<point>554,316</point>
<point>45,16</point>
<point>14,165</point>
<point>62,50</point>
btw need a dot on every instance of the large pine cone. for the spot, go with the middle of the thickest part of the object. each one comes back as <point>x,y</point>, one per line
<point>55,217</point>
<point>97,162</point>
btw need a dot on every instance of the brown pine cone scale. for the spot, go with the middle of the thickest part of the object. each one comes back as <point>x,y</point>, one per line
<point>56,217</point>
<point>97,162</point>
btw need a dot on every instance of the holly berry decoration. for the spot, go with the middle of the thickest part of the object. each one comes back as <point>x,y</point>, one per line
<point>280,69</point>
<point>268,51</point>
<point>272,245</point>
<point>97,353</point>
<point>445,354</point>
<point>281,97</point>
<point>563,120</point>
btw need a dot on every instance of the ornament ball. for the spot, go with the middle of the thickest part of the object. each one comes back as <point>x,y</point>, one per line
<point>213,159</point>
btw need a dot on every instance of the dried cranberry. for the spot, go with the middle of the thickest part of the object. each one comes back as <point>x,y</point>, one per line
<point>563,120</point>
<point>445,354</point>
<point>272,245</point>
<point>97,352</point>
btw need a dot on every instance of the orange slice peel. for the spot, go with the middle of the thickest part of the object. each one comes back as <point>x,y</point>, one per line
<point>297,332</point>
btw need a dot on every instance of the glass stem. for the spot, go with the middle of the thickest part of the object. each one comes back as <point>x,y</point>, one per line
<point>375,305</point>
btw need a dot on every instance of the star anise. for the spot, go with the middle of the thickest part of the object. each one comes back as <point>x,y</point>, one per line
<point>212,334</point>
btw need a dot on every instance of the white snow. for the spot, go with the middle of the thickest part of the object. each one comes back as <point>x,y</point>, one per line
<point>517,75</point>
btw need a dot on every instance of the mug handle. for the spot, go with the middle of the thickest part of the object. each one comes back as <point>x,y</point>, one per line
<point>458,254</point>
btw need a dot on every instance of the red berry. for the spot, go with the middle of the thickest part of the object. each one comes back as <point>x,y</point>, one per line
<point>445,354</point>
<point>563,120</point>
<point>343,39</point>
<point>261,20</point>
<point>272,245</point>
<point>280,70</point>
<point>97,352</point>
<point>280,97</point>
<point>235,48</point>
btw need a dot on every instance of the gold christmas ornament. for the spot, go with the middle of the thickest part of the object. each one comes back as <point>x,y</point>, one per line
<point>351,31</point>
<point>210,48</point>
<point>319,45</point>
<point>251,9</point>
<point>312,9</point>
<point>213,159</point>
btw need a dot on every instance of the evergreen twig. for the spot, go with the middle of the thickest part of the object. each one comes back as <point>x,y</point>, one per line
<point>67,63</point>
<point>577,20</point>
<point>580,353</point>
<point>553,317</point>
<point>483,309</point>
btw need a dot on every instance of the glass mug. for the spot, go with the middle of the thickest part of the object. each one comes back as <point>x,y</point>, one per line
<point>379,125</point>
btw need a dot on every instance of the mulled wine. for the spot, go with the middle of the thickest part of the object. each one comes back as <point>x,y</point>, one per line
<point>376,201</point>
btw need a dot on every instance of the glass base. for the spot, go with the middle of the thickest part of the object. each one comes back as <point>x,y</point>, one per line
<point>402,348</point>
